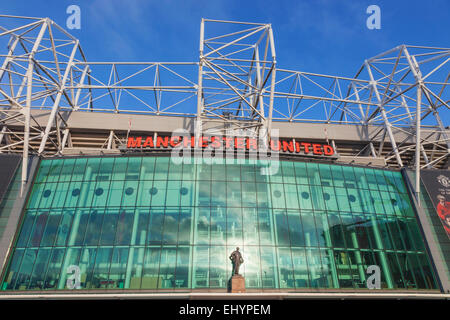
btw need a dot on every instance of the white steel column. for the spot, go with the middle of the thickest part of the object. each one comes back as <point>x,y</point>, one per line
<point>55,108</point>
<point>383,113</point>
<point>198,125</point>
<point>27,110</point>
<point>418,76</point>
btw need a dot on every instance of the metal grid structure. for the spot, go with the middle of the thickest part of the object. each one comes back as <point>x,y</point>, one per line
<point>235,82</point>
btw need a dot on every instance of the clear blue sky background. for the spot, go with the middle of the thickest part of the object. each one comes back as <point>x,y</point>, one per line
<point>324,36</point>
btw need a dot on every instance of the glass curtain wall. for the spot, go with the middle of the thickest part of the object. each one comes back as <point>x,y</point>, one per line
<point>148,223</point>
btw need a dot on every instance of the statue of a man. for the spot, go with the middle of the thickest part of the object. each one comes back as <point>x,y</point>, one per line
<point>236,258</point>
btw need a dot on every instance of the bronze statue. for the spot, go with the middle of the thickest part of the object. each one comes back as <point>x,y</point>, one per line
<point>236,258</point>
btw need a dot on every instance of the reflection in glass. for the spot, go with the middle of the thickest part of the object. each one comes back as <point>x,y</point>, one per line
<point>143,222</point>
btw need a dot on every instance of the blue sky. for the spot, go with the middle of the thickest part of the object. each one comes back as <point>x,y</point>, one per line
<point>322,36</point>
<point>319,36</point>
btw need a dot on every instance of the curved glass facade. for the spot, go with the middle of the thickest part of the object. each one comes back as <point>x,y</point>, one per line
<point>147,223</point>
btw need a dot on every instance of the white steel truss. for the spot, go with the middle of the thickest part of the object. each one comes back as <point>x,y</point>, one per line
<point>236,81</point>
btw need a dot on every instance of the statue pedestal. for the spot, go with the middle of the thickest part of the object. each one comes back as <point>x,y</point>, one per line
<point>237,284</point>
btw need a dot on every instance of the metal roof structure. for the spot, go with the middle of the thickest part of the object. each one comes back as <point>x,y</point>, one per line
<point>402,95</point>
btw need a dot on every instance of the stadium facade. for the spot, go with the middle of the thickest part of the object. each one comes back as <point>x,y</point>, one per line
<point>111,184</point>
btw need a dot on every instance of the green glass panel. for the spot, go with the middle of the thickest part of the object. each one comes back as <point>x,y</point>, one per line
<point>150,275</point>
<point>381,181</point>
<point>54,268</point>
<point>360,178</point>
<point>266,227</point>
<point>285,268</point>
<point>125,226</point>
<point>304,197</point>
<point>170,228</point>
<point>315,268</point>
<point>218,262</point>
<point>234,227</point>
<point>175,171</point>
<point>143,222</point>
<point>55,170</point>
<point>43,171</point>
<point>182,268</point>
<point>92,168</point>
<point>67,169</point>
<point>26,228</point>
<point>325,175</point>
<point>115,193</point>
<point>330,199</point>
<point>86,265</point>
<point>106,169</point>
<point>38,228</point>
<point>251,232</point>
<point>309,229</point>
<point>248,194</point>
<point>234,194</point>
<point>100,274</point>
<point>263,195</point>
<point>268,265</point>
<point>173,193</point>
<point>147,168</point>
<point>301,270</point>
<point>120,169</point>
<point>155,226</point>
<point>64,226</point>
<point>300,173</point>
<point>281,228</point>
<point>338,176</point>
<point>49,234</point>
<point>167,268</point>
<point>36,195</point>
<point>312,170</point>
<point>26,268</point>
<point>37,279</point>
<point>288,172</point>
<point>134,268</point>
<point>200,267</point>
<point>317,197</point>
<point>48,195</point>
<point>219,172</point>
<point>99,194</point>
<point>188,189</point>
<point>95,221</point>
<point>79,169</point>
<point>109,227</point>
<point>290,191</point>
<point>296,234</point>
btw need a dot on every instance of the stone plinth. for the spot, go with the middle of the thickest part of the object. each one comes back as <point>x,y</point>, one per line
<point>237,284</point>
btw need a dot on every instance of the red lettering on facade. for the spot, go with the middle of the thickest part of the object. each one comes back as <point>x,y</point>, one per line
<point>134,143</point>
<point>328,150</point>
<point>164,141</point>
<point>188,141</point>
<point>288,146</point>
<point>230,142</point>
<point>317,149</point>
<point>215,142</point>
<point>204,142</point>
<point>306,146</point>
<point>239,143</point>
<point>227,142</point>
<point>175,141</point>
<point>148,142</point>
<point>253,143</point>
<point>273,147</point>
